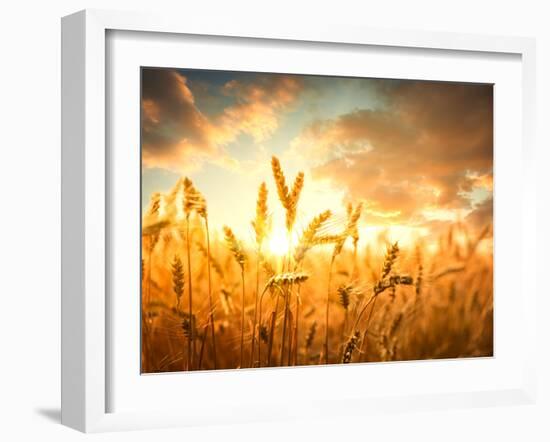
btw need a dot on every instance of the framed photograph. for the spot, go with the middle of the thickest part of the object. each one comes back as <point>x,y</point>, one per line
<point>282,223</point>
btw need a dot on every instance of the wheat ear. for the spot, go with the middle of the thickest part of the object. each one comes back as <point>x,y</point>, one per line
<point>261,227</point>
<point>178,281</point>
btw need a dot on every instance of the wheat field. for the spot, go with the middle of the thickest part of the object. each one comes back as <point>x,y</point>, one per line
<point>213,300</point>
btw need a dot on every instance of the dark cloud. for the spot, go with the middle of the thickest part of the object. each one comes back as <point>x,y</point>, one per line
<point>176,135</point>
<point>429,146</point>
<point>171,124</point>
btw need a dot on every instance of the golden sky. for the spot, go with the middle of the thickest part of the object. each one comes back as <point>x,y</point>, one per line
<point>418,154</point>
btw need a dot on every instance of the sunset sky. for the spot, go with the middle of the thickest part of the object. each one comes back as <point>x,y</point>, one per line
<point>418,154</point>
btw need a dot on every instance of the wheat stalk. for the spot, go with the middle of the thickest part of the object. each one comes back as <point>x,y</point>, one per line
<point>272,330</point>
<point>293,203</point>
<point>353,219</point>
<point>391,283</point>
<point>344,295</point>
<point>261,227</point>
<point>419,276</point>
<point>327,308</point>
<point>235,247</point>
<point>286,279</point>
<point>310,336</point>
<point>280,282</point>
<point>192,201</point>
<point>383,284</point>
<point>289,200</point>
<point>285,322</point>
<point>309,236</point>
<point>284,282</point>
<point>178,281</point>
<point>154,204</point>
<point>152,231</point>
<point>306,241</point>
<point>261,221</point>
<point>389,260</point>
<point>280,182</point>
<point>238,253</point>
<point>205,251</point>
<point>339,241</point>
<point>196,201</point>
<point>350,347</point>
<point>211,303</point>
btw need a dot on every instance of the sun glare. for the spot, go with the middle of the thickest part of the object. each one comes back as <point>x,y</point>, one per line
<point>278,242</point>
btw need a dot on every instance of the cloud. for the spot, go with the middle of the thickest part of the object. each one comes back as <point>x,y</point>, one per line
<point>428,147</point>
<point>172,126</point>
<point>177,136</point>
<point>482,215</point>
<point>259,104</point>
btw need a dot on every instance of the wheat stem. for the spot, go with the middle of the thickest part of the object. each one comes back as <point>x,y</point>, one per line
<point>255,321</point>
<point>272,331</point>
<point>190,340</point>
<point>286,296</point>
<point>260,316</point>
<point>327,313</point>
<point>296,322</point>
<point>212,319</point>
<point>242,319</point>
<point>365,334</point>
<point>201,351</point>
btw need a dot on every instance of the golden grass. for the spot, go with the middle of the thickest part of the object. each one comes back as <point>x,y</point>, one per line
<point>379,302</point>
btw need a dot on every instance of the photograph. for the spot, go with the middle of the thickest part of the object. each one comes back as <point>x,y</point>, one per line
<point>292,220</point>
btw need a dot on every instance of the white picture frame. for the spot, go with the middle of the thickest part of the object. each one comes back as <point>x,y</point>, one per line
<point>85,236</point>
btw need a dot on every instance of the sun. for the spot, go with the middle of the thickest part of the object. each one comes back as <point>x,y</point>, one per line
<point>278,242</point>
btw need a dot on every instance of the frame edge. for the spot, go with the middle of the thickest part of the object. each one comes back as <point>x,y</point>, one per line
<point>83,370</point>
<point>73,81</point>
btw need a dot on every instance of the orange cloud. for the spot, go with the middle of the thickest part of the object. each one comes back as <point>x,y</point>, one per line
<point>258,106</point>
<point>176,135</point>
<point>482,215</point>
<point>427,147</point>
